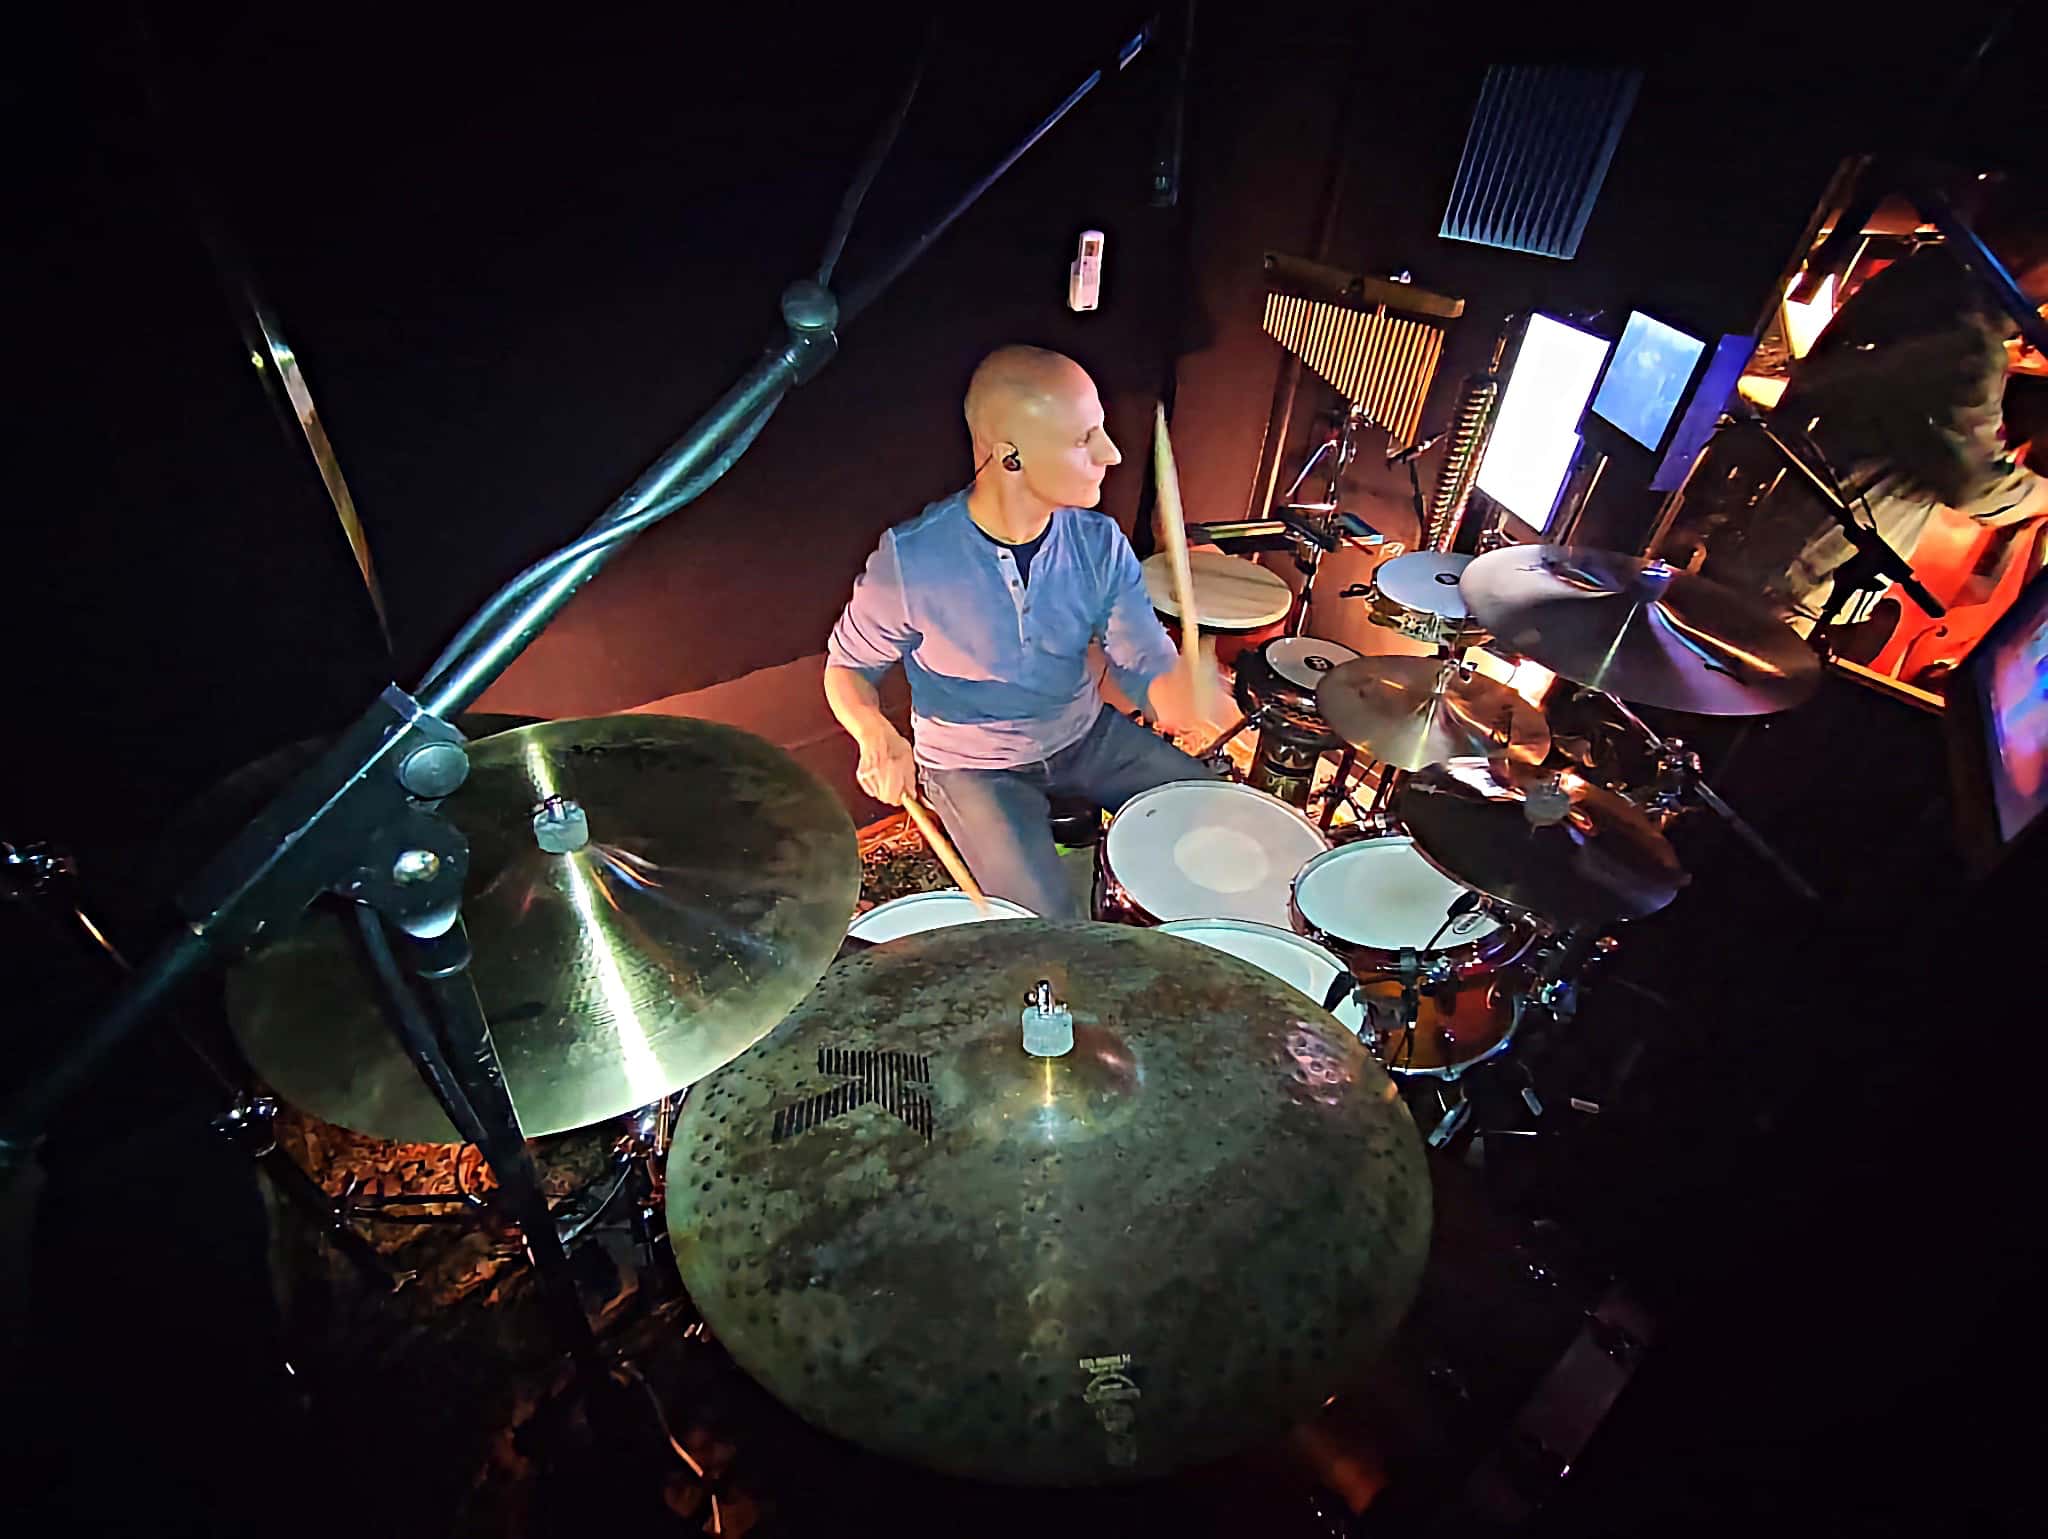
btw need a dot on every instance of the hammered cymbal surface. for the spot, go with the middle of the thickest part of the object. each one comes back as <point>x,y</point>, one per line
<point>1174,1242</point>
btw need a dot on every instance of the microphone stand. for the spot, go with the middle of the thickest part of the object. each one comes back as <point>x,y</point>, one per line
<point>1874,561</point>
<point>365,820</point>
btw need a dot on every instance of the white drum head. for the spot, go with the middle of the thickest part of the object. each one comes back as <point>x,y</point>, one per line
<point>1303,660</point>
<point>921,911</point>
<point>1426,580</point>
<point>1208,849</point>
<point>1293,959</point>
<point>1380,893</point>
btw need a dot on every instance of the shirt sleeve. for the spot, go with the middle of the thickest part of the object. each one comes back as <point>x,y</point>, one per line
<point>874,628</point>
<point>1136,643</point>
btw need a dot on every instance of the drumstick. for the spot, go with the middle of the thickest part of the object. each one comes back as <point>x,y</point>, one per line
<point>943,848</point>
<point>1166,482</point>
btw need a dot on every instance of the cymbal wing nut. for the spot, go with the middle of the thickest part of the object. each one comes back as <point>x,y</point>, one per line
<point>1048,1024</point>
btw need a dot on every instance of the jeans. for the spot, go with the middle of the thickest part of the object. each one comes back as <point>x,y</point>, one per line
<point>999,818</point>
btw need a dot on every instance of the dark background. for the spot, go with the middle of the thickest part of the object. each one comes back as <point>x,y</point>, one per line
<point>516,256</point>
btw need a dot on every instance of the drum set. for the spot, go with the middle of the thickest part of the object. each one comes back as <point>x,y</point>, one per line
<point>1474,883</point>
<point>1034,1201</point>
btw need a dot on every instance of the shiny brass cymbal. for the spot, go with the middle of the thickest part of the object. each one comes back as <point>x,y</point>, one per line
<point>712,894</point>
<point>1175,1241</point>
<point>1640,630</point>
<point>1550,842</point>
<point>1415,711</point>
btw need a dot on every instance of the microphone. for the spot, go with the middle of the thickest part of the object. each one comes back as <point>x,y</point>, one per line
<point>1417,450</point>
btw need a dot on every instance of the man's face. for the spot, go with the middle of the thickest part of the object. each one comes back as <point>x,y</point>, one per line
<point>1064,446</point>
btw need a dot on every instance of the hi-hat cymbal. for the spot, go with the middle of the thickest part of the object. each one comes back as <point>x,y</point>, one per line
<point>1640,629</point>
<point>1552,843</point>
<point>1174,1241</point>
<point>1414,711</point>
<point>712,894</point>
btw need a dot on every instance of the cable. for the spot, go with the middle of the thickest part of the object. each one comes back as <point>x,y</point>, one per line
<point>878,152</point>
<point>601,537</point>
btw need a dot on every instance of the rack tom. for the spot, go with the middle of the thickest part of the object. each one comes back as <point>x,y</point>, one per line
<point>1377,903</point>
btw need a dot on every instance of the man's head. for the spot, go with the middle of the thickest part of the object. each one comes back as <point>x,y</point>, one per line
<point>1034,416</point>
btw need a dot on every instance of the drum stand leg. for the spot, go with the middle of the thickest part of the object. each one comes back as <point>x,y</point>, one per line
<point>459,1062</point>
<point>1339,792</point>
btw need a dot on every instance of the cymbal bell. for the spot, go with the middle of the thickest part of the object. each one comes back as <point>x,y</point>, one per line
<point>1550,842</point>
<point>712,894</point>
<point>1174,1241</point>
<point>1415,711</point>
<point>1640,629</point>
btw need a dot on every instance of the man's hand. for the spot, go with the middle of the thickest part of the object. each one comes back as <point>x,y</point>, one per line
<point>887,771</point>
<point>1170,699</point>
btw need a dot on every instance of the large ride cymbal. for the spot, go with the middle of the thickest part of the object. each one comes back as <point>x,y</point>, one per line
<point>1640,630</point>
<point>1415,711</point>
<point>1552,843</point>
<point>713,892</point>
<point>1175,1241</point>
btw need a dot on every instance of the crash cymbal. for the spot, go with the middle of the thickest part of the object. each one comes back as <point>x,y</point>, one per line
<point>1640,630</point>
<point>713,891</point>
<point>1414,711</point>
<point>1552,843</point>
<point>1174,1241</point>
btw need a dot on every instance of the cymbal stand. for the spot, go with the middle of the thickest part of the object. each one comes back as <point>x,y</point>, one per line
<point>1327,525</point>
<point>44,880</point>
<point>1679,778</point>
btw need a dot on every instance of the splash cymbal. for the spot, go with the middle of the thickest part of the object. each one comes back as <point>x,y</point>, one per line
<point>713,890</point>
<point>1172,1242</point>
<point>1640,630</point>
<point>1415,711</point>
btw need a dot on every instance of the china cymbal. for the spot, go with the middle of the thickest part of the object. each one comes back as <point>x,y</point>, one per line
<point>1414,711</point>
<point>1552,843</point>
<point>712,894</point>
<point>1176,1240</point>
<point>1640,630</point>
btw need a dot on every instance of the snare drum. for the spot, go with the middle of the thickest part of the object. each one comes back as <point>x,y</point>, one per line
<point>1276,685</point>
<point>1202,849</point>
<point>1418,596</point>
<point>1293,959</point>
<point>1370,901</point>
<point>1280,676</point>
<point>917,912</point>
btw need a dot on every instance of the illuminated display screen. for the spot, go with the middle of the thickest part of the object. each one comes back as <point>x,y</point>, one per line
<point>1652,364</point>
<point>1537,431</point>
<point>2011,676</point>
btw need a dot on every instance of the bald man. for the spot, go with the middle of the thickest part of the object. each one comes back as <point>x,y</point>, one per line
<point>990,599</point>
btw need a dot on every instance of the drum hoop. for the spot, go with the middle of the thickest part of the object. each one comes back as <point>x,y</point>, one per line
<point>1235,788</point>
<point>914,899</point>
<point>1510,930</point>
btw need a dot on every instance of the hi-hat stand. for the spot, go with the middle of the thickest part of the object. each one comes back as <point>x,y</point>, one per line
<point>365,820</point>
